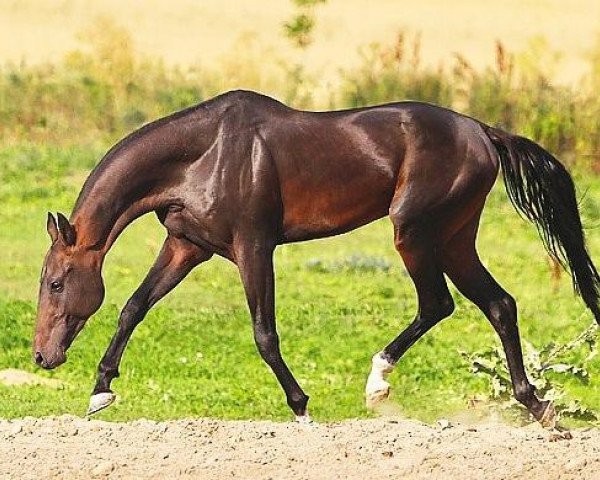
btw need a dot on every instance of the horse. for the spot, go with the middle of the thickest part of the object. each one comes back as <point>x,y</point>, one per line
<point>241,173</point>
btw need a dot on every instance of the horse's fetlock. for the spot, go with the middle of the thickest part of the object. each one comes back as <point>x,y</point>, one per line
<point>109,372</point>
<point>524,393</point>
<point>298,403</point>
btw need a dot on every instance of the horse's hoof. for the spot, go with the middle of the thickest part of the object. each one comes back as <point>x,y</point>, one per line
<point>100,401</point>
<point>558,434</point>
<point>549,417</point>
<point>304,419</point>
<point>381,393</point>
<point>377,388</point>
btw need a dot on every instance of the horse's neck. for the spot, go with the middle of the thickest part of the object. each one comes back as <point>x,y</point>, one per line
<point>114,195</point>
<point>135,178</point>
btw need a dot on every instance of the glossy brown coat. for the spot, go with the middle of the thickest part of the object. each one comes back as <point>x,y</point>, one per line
<point>242,173</point>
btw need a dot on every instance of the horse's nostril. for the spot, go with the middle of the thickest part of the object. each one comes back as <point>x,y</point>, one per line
<point>38,358</point>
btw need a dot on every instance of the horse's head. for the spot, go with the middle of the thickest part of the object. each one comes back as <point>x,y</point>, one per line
<point>71,290</point>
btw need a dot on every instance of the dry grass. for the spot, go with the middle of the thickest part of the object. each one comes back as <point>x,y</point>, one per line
<point>209,32</point>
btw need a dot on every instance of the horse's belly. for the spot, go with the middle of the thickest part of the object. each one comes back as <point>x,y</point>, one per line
<point>320,212</point>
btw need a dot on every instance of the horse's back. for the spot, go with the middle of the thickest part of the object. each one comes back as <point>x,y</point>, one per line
<point>340,170</point>
<point>335,171</point>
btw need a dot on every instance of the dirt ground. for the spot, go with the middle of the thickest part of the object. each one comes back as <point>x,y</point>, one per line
<point>71,447</point>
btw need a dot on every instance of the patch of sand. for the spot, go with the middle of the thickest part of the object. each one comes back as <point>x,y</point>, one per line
<point>74,448</point>
<point>14,377</point>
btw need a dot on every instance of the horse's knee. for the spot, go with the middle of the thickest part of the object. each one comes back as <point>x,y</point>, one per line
<point>436,308</point>
<point>132,313</point>
<point>267,344</point>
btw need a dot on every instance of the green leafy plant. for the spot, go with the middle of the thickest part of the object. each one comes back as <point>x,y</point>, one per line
<point>549,369</point>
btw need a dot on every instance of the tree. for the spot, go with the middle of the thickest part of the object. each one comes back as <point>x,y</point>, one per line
<point>300,27</point>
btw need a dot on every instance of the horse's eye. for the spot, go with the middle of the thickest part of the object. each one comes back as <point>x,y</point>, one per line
<point>56,287</point>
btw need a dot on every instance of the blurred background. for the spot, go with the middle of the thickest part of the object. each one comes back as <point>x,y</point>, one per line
<point>76,70</point>
<point>77,75</point>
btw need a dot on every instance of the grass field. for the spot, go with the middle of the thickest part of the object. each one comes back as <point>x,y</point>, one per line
<point>194,354</point>
<point>110,69</point>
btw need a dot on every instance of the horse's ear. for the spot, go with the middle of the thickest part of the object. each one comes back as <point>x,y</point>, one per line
<point>66,230</point>
<point>52,228</point>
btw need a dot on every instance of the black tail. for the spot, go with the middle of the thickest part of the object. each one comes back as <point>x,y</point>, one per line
<point>540,187</point>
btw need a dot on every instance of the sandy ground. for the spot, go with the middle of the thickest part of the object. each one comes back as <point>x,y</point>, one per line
<point>71,447</point>
<point>206,32</point>
<point>14,377</point>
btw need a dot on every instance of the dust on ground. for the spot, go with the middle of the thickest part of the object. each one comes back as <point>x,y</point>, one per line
<point>14,377</point>
<point>72,447</point>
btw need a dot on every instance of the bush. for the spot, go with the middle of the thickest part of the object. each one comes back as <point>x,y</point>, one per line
<point>516,94</point>
<point>390,74</point>
<point>105,90</point>
<point>549,369</point>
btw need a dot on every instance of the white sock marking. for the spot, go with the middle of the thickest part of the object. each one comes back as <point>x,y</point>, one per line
<point>377,388</point>
<point>304,419</point>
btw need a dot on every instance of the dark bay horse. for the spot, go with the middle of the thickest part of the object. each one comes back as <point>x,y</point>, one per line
<point>242,173</point>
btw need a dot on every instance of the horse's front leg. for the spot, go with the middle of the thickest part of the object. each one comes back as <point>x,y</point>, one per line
<point>255,263</point>
<point>175,260</point>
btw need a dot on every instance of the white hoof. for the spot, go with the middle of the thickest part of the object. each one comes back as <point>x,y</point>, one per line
<point>100,401</point>
<point>377,395</point>
<point>377,389</point>
<point>304,419</point>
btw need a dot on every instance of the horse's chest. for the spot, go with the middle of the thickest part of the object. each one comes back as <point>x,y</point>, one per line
<point>176,221</point>
<point>181,221</point>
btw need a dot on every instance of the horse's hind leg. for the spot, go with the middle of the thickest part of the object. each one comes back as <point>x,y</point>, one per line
<point>416,243</point>
<point>466,271</point>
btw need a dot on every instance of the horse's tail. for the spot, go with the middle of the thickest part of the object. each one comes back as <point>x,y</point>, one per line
<point>540,187</point>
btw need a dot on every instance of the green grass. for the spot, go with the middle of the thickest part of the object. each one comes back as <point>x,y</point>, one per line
<point>194,354</point>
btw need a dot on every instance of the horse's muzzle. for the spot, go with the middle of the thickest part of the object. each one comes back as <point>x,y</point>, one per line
<point>50,362</point>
